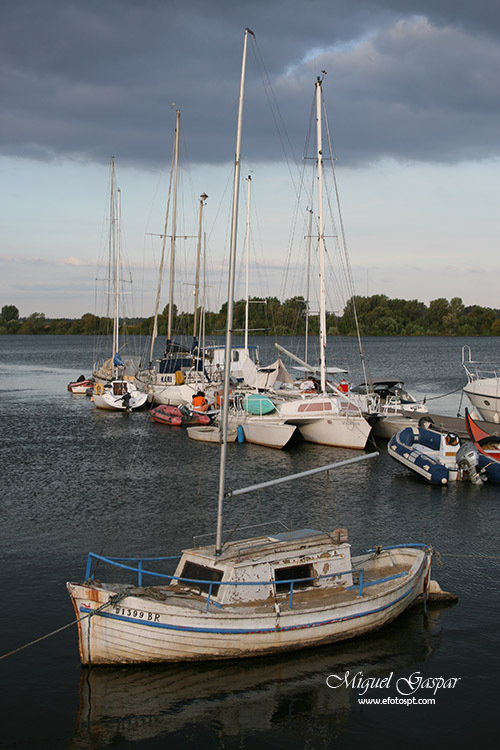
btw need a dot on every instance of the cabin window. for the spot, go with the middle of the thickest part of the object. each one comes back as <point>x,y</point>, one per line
<point>321,406</point>
<point>236,356</point>
<point>200,573</point>
<point>294,573</point>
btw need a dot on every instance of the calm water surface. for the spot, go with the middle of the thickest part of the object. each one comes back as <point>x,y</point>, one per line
<point>75,479</point>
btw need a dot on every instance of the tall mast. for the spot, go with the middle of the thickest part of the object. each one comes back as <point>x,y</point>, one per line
<point>113,250</point>
<point>162,261</point>
<point>321,237</point>
<point>247,305</point>
<point>308,283</point>
<point>174,219</point>
<point>230,299</point>
<point>117,274</point>
<point>203,198</point>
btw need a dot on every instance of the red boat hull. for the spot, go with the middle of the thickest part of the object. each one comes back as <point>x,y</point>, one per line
<point>488,445</point>
<point>173,416</point>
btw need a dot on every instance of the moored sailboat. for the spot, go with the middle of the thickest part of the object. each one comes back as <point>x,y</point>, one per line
<point>324,418</point>
<point>115,388</point>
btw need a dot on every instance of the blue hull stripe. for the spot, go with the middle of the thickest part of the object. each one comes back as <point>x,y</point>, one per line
<point>242,631</point>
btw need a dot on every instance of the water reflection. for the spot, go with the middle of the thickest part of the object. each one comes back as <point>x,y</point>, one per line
<point>130,704</point>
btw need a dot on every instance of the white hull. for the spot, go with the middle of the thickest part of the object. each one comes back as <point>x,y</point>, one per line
<point>111,396</point>
<point>327,420</point>
<point>210,434</point>
<point>271,435</point>
<point>337,431</point>
<point>388,426</point>
<point>141,629</point>
<point>484,395</point>
<point>263,430</point>
<point>173,395</point>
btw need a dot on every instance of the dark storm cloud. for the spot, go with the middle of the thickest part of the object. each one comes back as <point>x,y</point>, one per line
<point>408,80</point>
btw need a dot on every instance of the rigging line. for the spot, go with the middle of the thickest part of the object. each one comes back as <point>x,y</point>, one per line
<point>344,242</point>
<point>274,108</point>
<point>278,119</point>
<point>298,200</point>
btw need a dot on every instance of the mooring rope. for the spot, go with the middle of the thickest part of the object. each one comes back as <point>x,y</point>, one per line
<point>113,600</point>
<point>450,393</point>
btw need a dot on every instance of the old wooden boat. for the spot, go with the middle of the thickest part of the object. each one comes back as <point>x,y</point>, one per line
<point>263,595</point>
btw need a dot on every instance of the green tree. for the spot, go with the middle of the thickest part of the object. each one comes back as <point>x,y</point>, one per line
<point>9,312</point>
<point>35,324</point>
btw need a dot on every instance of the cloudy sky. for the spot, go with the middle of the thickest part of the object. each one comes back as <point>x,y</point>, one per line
<point>412,92</point>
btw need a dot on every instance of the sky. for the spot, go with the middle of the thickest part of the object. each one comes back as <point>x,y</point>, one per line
<point>411,89</point>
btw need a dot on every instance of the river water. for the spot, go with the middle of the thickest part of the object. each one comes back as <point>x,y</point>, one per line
<point>75,480</point>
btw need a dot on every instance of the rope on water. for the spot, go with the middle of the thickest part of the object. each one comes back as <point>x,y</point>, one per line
<point>113,600</point>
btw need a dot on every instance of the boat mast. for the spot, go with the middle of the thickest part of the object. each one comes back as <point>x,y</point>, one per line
<point>230,299</point>
<point>114,260</point>
<point>247,305</point>
<point>154,334</point>
<point>308,283</point>
<point>321,237</point>
<point>174,218</point>
<point>203,199</point>
<point>116,321</point>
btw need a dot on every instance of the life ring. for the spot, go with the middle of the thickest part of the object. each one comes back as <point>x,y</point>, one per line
<point>99,389</point>
<point>179,377</point>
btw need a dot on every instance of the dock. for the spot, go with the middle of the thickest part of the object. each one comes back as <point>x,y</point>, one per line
<point>456,425</point>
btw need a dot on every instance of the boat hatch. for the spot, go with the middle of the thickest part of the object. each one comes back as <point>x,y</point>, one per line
<point>283,576</point>
<point>119,388</point>
<point>199,573</point>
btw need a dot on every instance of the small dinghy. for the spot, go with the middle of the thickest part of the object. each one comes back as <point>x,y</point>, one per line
<point>210,434</point>
<point>178,416</point>
<point>438,458</point>
<point>82,386</point>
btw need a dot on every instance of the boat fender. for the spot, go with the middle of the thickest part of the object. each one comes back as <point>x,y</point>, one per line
<point>241,434</point>
<point>179,377</point>
<point>99,389</point>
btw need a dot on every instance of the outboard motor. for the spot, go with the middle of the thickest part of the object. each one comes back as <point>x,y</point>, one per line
<point>468,460</point>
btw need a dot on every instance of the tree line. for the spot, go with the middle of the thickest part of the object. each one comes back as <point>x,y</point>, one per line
<point>376,316</point>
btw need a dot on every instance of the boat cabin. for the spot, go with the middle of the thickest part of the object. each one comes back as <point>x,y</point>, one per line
<point>267,568</point>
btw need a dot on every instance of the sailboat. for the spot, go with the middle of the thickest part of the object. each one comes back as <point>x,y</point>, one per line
<point>116,389</point>
<point>324,418</point>
<point>271,593</point>
<point>180,373</point>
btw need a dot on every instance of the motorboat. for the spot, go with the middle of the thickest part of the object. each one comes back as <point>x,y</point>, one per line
<point>82,386</point>
<point>438,458</point>
<point>483,386</point>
